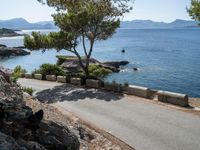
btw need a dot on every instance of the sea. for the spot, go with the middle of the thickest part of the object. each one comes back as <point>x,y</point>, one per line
<point>167,59</point>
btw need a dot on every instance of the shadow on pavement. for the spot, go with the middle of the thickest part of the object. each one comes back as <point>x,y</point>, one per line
<point>71,93</point>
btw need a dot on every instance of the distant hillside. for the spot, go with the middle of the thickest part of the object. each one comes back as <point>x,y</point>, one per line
<point>20,23</point>
<point>148,24</point>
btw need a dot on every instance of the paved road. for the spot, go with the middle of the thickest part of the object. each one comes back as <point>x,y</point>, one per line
<point>141,124</point>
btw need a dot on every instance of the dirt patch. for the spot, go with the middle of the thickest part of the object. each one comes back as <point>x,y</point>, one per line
<point>194,102</point>
<point>89,135</point>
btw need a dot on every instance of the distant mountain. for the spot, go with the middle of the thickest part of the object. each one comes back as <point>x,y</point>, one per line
<point>148,24</point>
<point>20,23</point>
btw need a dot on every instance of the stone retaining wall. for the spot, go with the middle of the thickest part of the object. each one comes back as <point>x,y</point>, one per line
<point>61,79</point>
<point>163,96</point>
<point>76,81</point>
<point>93,83</point>
<point>28,75</point>
<point>50,77</point>
<point>112,87</point>
<point>173,98</point>
<point>38,76</point>
<point>137,90</point>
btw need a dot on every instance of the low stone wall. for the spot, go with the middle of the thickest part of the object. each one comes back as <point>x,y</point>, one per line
<point>61,79</point>
<point>152,94</point>
<point>137,90</point>
<point>112,87</point>
<point>50,77</point>
<point>163,96</point>
<point>173,98</point>
<point>38,76</point>
<point>93,83</point>
<point>76,81</point>
<point>28,75</point>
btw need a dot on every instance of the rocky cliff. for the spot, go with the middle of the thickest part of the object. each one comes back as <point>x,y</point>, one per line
<point>21,129</point>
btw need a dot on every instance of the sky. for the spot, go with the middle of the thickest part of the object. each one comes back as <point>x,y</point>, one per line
<point>156,10</point>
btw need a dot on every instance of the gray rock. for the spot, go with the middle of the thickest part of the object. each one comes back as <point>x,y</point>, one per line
<point>11,51</point>
<point>21,129</point>
<point>72,64</point>
<point>115,64</point>
<point>10,91</point>
<point>8,143</point>
<point>2,45</point>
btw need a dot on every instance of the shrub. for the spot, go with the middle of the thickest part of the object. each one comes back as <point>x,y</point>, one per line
<point>49,69</point>
<point>62,59</point>
<point>98,72</point>
<point>17,73</point>
<point>28,90</point>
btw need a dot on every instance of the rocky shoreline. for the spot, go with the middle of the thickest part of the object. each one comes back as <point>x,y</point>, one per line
<point>12,51</point>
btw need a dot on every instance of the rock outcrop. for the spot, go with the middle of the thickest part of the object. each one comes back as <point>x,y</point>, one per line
<point>115,64</point>
<point>2,45</point>
<point>11,51</point>
<point>21,129</point>
<point>71,64</point>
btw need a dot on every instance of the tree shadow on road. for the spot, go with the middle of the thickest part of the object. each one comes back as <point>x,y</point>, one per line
<point>71,93</point>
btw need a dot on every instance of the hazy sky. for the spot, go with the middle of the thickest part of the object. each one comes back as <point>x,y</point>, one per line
<point>157,10</point>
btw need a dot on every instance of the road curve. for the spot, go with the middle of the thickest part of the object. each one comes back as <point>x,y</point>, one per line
<point>141,124</point>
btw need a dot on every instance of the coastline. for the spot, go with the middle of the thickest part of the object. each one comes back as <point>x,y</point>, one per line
<point>161,67</point>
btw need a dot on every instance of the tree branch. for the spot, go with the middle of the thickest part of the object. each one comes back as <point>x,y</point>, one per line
<point>84,47</point>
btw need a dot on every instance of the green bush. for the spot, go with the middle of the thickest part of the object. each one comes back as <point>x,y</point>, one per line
<point>17,73</point>
<point>98,72</point>
<point>49,69</point>
<point>62,59</point>
<point>28,90</point>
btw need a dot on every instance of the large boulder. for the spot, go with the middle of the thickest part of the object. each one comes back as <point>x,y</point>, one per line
<point>6,73</point>
<point>115,64</point>
<point>72,64</point>
<point>10,91</point>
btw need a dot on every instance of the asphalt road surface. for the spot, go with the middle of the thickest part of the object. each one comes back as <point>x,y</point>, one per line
<point>141,124</point>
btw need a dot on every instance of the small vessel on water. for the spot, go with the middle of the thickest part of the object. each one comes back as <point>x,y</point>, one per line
<point>123,51</point>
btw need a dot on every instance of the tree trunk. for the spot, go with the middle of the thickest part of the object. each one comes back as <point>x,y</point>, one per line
<point>86,70</point>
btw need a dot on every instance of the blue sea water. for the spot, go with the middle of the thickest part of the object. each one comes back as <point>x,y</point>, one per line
<point>168,59</point>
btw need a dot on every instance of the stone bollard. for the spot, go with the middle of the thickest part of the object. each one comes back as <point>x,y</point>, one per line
<point>28,75</point>
<point>137,91</point>
<point>38,76</point>
<point>93,83</point>
<point>173,98</point>
<point>61,79</point>
<point>76,81</point>
<point>22,75</point>
<point>50,77</point>
<point>112,87</point>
